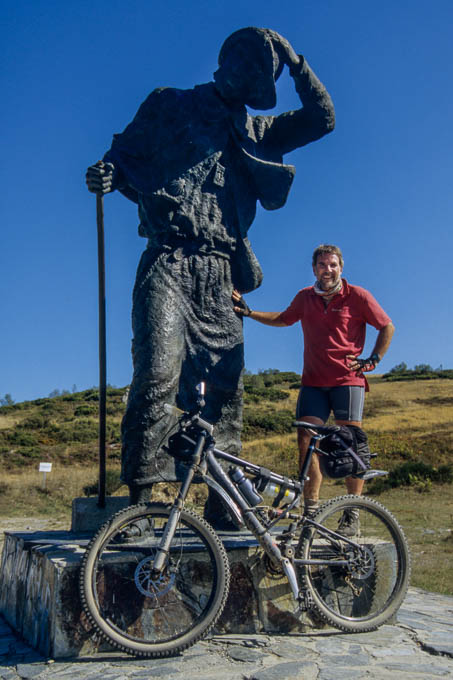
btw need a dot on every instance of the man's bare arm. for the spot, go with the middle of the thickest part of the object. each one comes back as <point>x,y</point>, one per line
<point>266,318</point>
<point>384,339</point>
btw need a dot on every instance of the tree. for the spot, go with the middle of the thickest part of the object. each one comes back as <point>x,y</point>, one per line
<point>7,400</point>
<point>423,368</point>
<point>399,368</point>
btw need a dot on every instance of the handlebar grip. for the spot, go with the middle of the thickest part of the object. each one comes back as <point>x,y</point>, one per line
<point>204,424</point>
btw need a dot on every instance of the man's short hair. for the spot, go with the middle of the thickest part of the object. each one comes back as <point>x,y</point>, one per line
<point>325,248</point>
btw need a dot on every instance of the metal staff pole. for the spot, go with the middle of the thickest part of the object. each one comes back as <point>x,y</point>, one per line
<point>102,349</point>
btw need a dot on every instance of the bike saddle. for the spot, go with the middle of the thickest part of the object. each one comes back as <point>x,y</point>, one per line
<point>320,429</point>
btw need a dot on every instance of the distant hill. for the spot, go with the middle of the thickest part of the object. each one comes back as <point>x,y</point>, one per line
<point>400,417</point>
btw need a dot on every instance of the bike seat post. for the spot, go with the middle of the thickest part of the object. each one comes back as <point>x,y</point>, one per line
<point>306,464</point>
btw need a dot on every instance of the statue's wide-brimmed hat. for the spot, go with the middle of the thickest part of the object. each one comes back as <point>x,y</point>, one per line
<point>258,41</point>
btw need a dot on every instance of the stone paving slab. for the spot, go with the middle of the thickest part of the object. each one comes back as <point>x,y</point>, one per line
<point>419,646</point>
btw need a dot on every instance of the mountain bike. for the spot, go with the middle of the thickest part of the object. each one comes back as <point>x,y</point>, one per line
<point>155,578</point>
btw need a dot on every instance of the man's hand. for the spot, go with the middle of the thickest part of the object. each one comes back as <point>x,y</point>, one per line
<point>240,307</point>
<point>99,178</point>
<point>362,365</point>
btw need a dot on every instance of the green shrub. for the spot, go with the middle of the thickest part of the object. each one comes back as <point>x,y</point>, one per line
<point>258,424</point>
<point>85,410</point>
<point>35,422</point>
<point>412,473</point>
<point>20,437</point>
<point>91,395</point>
<point>254,395</point>
<point>112,484</point>
<point>83,430</point>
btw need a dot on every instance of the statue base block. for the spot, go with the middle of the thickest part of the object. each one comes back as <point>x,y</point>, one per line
<point>40,593</point>
<point>88,516</point>
<point>40,598</point>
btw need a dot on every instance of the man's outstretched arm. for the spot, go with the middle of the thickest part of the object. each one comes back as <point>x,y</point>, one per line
<point>266,318</point>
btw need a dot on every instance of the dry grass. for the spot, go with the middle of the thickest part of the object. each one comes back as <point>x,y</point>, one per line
<point>26,493</point>
<point>10,420</point>
<point>414,420</point>
<point>418,406</point>
<point>406,420</point>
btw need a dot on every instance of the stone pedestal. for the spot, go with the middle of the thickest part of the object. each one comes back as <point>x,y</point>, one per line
<point>88,516</point>
<point>40,599</point>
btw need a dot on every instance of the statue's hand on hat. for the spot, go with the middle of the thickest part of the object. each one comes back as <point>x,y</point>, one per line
<point>99,178</point>
<point>284,50</point>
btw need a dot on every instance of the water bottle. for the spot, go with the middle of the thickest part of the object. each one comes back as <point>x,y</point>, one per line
<point>272,490</point>
<point>245,486</point>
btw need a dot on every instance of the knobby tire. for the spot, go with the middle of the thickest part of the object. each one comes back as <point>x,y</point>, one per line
<point>138,613</point>
<point>365,594</point>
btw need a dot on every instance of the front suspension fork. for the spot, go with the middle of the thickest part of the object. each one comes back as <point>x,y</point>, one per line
<point>175,512</point>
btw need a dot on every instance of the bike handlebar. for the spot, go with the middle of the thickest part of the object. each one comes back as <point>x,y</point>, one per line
<point>191,419</point>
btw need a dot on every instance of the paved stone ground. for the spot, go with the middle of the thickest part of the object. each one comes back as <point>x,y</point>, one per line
<point>420,645</point>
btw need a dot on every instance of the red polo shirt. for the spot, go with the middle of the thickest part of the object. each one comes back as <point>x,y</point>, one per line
<point>332,332</point>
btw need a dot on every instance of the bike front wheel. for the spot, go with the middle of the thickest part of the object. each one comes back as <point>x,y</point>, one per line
<point>149,614</point>
<point>357,581</point>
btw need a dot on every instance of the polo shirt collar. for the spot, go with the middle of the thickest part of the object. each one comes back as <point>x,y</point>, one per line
<point>344,292</point>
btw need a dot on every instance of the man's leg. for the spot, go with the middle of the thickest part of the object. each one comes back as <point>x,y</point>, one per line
<point>313,401</point>
<point>347,404</point>
<point>312,485</point>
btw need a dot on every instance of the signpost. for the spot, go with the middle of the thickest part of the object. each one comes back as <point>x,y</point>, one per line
<point>45,468</point>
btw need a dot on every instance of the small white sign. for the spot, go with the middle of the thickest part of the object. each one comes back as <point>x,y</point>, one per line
<point>45,467</point>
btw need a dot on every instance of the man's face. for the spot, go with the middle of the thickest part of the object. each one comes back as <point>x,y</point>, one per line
<point>327,270</point>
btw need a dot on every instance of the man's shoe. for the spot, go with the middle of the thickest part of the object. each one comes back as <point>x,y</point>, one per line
<point>349,524</point>
<point>310,508</point>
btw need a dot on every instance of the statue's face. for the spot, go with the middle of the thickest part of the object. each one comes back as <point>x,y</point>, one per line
<point>246,76</point>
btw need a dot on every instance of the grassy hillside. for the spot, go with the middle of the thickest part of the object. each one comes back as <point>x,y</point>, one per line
<point>409,422</point>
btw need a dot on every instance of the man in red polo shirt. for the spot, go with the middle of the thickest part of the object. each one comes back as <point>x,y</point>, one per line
<point>333,315</point>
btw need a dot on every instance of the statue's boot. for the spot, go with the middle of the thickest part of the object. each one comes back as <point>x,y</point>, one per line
<point>217,514</point>
<point>142,528</point>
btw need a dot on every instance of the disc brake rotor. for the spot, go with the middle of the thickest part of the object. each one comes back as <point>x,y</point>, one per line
<point>362,564</point>
<point>151,585</point>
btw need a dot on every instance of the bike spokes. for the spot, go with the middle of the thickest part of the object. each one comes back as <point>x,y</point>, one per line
<point>148,612</point>
<point>367,572</point>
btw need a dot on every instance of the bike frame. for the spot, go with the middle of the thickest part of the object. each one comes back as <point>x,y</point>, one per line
<point>205,465</point>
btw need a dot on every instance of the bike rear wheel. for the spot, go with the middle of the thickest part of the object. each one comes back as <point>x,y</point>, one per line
<point>138,612</point>
<point>368,575</point>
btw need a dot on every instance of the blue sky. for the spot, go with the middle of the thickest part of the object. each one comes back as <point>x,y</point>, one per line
<point>380,186</point>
